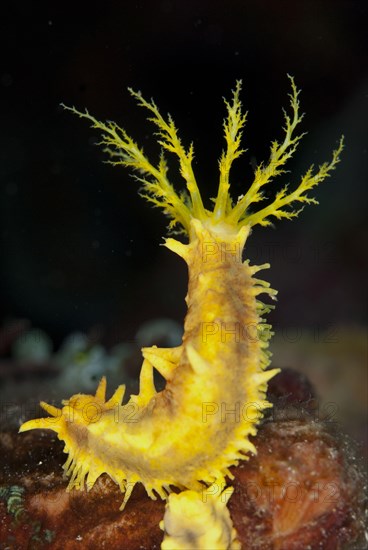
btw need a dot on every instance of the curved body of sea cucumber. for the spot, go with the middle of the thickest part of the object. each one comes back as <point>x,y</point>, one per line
<point>199,424</point>
<point>189,434</point>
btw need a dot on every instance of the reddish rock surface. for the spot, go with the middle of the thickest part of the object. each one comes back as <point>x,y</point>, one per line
<point>304,490</point>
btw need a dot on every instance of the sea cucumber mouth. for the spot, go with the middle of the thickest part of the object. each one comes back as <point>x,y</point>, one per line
<point>222,229</point>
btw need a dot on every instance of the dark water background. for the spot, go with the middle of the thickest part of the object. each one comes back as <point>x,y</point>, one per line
<point>78,246</point>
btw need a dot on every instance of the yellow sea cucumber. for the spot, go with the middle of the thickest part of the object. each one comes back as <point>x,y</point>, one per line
<point>188,435</point>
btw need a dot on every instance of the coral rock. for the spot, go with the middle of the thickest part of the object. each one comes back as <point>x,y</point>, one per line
<point>302,490</point>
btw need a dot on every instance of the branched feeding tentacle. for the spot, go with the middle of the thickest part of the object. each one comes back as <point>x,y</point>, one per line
<point>264,174</point>
<point>123,150</point>
<point>232,125</point>
<point>171,142</point>
<point>283,198</point>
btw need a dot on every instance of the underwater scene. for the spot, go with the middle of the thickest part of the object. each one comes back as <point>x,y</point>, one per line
<point>183,313</point>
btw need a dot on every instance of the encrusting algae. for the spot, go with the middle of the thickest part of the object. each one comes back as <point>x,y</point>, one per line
<point>188,435</point>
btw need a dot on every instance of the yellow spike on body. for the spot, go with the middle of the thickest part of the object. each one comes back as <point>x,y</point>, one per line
<point>192,432</point>
<point>164,360</point>
<point>196,361</point>
<point>147,387</point>
<point>54,411</point>
<point>117,398</point>
<point>101,390</point>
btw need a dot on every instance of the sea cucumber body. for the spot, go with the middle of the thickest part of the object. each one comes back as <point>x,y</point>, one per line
<point>198,426</point>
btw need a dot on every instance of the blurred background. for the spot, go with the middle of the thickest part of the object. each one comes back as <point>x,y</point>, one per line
<point>80,254</point>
